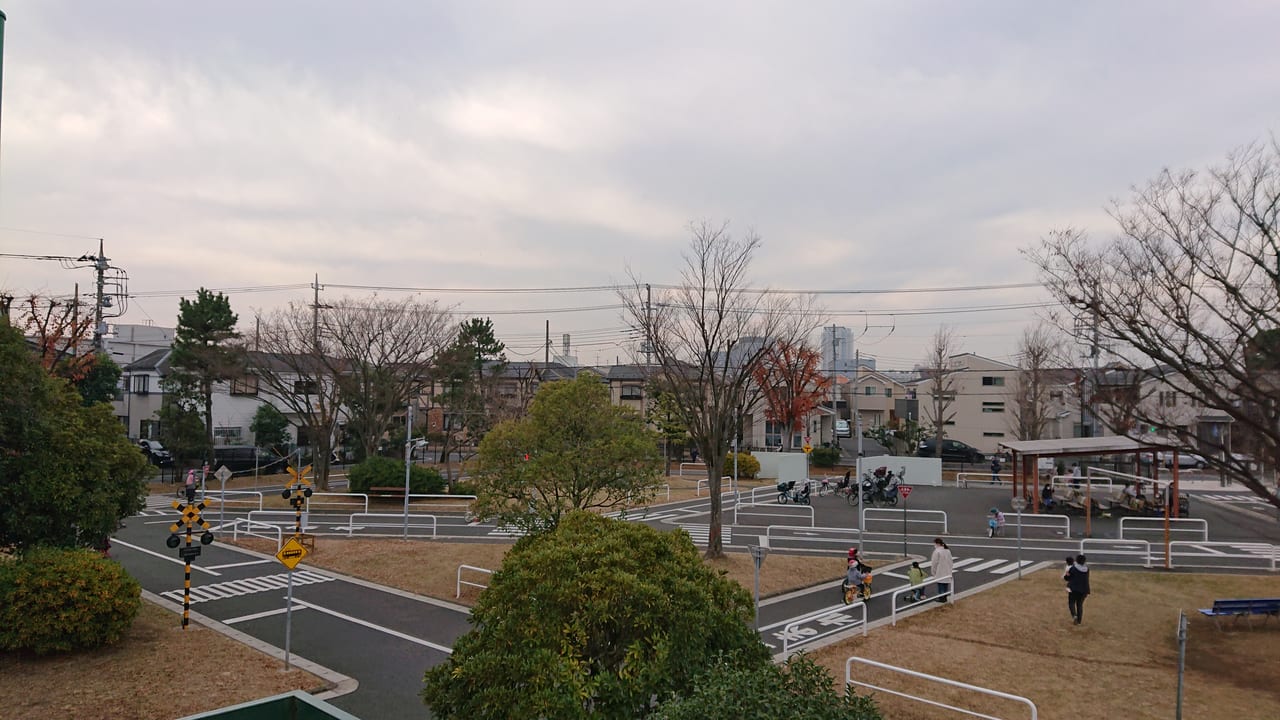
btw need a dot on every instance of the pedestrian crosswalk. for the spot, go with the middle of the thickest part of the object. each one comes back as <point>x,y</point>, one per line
<point>700,533</point>
<point>247,586</point>
<point>998,566</point>
<point>1243,498</point>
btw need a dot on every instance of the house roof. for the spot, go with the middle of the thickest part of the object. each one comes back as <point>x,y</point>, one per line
<point>157,360</point>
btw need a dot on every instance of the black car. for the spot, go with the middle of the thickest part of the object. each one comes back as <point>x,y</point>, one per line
<point>156,453</point>
<point>952,451</point>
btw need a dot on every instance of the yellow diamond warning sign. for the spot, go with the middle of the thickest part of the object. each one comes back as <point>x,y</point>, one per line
<point>292,553</point>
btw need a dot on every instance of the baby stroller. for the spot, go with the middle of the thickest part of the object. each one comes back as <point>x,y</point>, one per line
<point>787,491</point>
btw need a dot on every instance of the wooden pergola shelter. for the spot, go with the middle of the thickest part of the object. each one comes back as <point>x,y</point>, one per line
<point>1026,454</point>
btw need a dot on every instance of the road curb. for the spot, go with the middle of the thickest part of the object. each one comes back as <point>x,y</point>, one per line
<point>341,684</point>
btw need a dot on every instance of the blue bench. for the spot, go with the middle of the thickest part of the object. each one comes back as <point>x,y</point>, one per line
<point>1247,608</point>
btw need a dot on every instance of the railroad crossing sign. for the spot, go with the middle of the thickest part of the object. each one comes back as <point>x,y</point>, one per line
<point>905,490</point>
<point>297,495</point>
<point>188,516</point>
<point>291,553</point>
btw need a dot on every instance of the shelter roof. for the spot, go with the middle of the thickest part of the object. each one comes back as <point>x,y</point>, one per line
<point>1089,446</point>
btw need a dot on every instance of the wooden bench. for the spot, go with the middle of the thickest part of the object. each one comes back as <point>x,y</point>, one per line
<point>387,491</point>
<point>308,541</point>
<point>1246,608</point>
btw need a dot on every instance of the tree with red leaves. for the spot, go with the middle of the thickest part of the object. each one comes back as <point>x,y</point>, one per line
<point>791,383</point>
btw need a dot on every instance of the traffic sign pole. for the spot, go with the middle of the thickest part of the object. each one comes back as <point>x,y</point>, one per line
<point>290,555</point>
<point>905,492</point>
<point>288,621</point>
<point>1019,504</point>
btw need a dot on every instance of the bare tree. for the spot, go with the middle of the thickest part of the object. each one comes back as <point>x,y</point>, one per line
<point>299,368</point>
<point>387,348</point>
<point>1190,289</point>
<point>941,375</point>
<point>1039,352</point>
<point>708,335</point>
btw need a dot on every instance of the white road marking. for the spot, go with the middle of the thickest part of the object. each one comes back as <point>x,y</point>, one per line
<point>986,565</point>
<point>1211,551</point>
<point>372,626</point>
<point>239,564</point>
<point>248,586</point>
<point>117,541</point>
<point>264,613</point>
<point>1010,567</point>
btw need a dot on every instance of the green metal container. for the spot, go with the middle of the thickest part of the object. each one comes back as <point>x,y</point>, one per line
<point>294,705</point>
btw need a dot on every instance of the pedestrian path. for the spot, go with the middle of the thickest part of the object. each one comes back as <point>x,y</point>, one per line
<point>247,586</point>
<point>700,533</point>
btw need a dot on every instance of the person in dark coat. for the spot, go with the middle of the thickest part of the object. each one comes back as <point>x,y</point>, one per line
<point>1077,577</point>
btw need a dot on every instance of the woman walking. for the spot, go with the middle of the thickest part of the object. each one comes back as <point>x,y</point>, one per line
<point>940,565</point>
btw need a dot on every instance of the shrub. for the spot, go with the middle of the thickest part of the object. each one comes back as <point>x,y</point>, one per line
<point>748,466</point>
<point>463,487</point>
<point>825,457</point>
<point>381,471</point>
<point>54,600</point>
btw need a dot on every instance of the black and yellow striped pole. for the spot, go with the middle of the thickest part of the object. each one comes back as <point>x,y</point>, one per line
<point>296,490</point>
<point>189,515</point>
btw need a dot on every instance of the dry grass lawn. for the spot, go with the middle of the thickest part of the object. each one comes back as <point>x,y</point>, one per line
<point>1121,663</point>
<point>430,568</point>
<point>156,671</point>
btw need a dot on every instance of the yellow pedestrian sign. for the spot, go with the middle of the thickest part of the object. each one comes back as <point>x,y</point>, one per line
<point>292,553</point>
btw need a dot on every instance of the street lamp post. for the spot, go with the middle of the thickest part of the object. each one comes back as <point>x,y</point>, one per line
<point>1019,504</point>
<point>408,456</point>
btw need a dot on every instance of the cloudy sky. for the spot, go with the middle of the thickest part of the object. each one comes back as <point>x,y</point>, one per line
<point>497,145</point>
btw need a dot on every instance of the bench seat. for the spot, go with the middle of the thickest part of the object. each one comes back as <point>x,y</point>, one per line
<point>1245,607</point>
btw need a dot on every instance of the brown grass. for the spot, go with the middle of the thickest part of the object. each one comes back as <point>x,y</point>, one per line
<point>156,671</point>
<point>1121,663</point>
<point>430,568</point>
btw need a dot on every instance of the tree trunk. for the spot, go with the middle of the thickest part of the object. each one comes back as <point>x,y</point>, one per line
<point>715,471</point>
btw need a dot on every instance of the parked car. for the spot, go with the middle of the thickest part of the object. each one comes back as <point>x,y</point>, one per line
<point>237,458</point>
<point>1185,460</point>
<point>842,429</point>
<point>952,451</point>
<point>156,453</point>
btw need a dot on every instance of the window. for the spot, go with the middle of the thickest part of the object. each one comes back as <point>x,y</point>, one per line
<point>992,434</point>
<point>228,435</point>
<point>247,385</point>
<point>632,392</point>
<point>869,391</point>
<point>949,422</point>
<point>992,407</point>
<point>993,380</point>
<point>772,434</point>
<point>141,384</point>
<point>888,392</point>
<point>305,387</point>
<point>149,429</point>
<point>1169,398</point>
<point>1055,396</point>
<point>947,395</point>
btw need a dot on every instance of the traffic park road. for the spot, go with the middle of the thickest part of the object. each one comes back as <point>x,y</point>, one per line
<point>384,638</point>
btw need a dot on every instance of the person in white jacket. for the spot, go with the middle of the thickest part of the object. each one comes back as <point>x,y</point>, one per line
<point>940,567</point>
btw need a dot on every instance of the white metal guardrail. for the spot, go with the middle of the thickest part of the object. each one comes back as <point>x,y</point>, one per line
<point>789,512</point>
<point>462,582</point>
<point>694,465</point>
<point>249,525</point>
<point>811,535</point>
<point>704,483</point>
<point>223,496</point>
<point>793,634</point>
<point>1259,553</point>
<point>1123,548</point>
<point>977,478</point>
<point>848,680</point>
<point>391,520</point>
<point>1058,523</point>
<point>893,601</point>
<point>1156,524</point>
<point>445,507</point>
<point>359,500</point>
<point>279,517</point>
<point>932,517</point>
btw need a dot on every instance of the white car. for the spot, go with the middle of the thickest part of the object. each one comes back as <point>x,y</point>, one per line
<point>1185,460</point>
<point>842,429</point>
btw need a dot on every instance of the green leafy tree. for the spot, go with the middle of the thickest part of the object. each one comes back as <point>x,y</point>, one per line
<point>378,471</point>
<point>100,382</point>
<point>270,429</point>
<point>467,372</point>
<point>182,430</point>
<point>202,355</point>
<point>664,414</point>
<point>799,689</point>
<point>69,474</point>
<point>595,618</point>
<point>575,450</point>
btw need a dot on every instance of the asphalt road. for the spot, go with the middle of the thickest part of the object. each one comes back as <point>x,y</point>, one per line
<point>386,639</point>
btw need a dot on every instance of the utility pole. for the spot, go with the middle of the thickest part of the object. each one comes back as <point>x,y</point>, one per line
<point>315,316</point>
<point>648,322</point>
<point>857,425</point>
<point>546,349</point>
<point>100,270</point>
<point>835,391</point>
